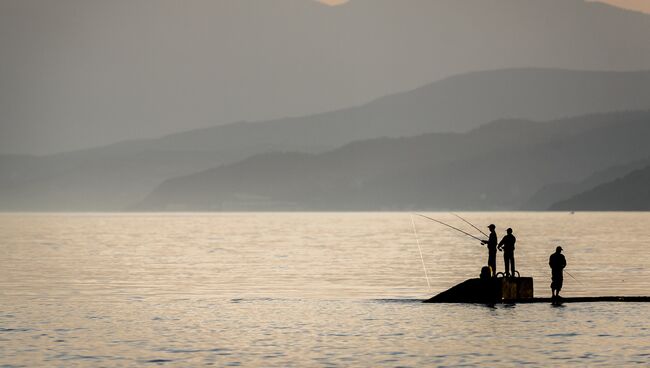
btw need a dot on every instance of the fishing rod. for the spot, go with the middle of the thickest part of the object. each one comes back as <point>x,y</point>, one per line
<point>567,272</point>
<point>573,277</point>
<point>470,224</point>
<point>451,227</point>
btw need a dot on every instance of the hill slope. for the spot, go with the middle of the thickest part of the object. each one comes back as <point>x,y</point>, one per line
<point>556,192</point>
<point>497,166</point>
<point>86,73</point>
<point>629,193</point>
<point>115,176</point>
<point>455,104</point>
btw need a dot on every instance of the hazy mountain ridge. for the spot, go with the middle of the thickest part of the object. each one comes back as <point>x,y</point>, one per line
<point>629,193</point>
<point>441,106</point>
<point>498,166</point>
<point>81,182</point>
<point>86,68</point>
<point>557,192</point>
<point>115,176</point>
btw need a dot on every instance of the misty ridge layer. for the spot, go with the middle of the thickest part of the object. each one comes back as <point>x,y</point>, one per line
<point>629,193</point>
<point>497,166</point>
<point>87,73</point>
<point>549,195</point>
<point>455,104</point>
<point>117,176</point>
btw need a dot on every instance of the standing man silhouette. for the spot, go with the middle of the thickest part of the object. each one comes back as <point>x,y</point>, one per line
<point>492,249</point>
<point>507,245</point>
<point>557,263</point>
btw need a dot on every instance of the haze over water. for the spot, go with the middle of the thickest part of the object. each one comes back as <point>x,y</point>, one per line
<point>305,289</point>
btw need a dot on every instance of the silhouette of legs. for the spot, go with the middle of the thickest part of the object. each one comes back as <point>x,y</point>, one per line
<point>556,283</point>
<point>492,262</point>
<point>509,261</point>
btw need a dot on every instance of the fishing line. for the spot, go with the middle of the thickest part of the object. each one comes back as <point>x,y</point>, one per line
<point>470,224</point>
<point>564,271</point>
<point>452,227</point>
<point>567,272</point>
<point>417,240</point>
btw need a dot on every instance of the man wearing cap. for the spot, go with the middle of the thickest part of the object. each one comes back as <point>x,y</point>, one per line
<point>507,245</point>
<point>557,263</point>
<point>492,249</point>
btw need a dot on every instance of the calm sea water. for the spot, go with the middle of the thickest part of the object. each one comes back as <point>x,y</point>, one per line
<point>311,290</point>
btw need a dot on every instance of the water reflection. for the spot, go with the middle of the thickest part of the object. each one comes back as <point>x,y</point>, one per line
<point>309,289</point>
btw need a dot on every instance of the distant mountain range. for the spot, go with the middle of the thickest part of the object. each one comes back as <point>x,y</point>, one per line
<point>550,194</point>
<point>455,104</point>
<point>629,193</point>
<point>86,73</point>
<point>497,166</point>
<point>117,176</point>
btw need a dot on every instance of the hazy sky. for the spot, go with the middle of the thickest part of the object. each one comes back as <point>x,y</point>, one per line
<point>640,5</point>
<point>82,73</point>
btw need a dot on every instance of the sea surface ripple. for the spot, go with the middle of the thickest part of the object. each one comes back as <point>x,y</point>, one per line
<point>311,289</point>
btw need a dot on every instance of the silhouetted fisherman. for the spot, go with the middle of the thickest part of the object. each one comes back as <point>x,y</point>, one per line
<point>507,245</point>
<point>492,249</point>
<point>557,263</point>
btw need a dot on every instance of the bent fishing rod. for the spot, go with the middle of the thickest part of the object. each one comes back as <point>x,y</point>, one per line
<point>451,227</point>
<point>470,224</point>
<point>573,277</point>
